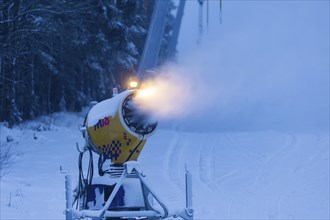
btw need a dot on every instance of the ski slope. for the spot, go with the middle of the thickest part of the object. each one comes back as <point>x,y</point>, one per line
<point>236,175</point>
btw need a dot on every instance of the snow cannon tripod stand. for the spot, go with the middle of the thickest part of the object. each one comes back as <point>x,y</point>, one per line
<point>117,131</point>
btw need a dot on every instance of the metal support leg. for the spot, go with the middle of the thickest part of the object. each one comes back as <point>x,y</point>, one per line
<point>188,213</point>
<point>114,192</point>
<point>189,203</point>
<point>68,197</point>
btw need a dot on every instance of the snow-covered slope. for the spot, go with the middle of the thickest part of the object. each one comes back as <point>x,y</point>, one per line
<point>33,187</point>
<point>236,175</point>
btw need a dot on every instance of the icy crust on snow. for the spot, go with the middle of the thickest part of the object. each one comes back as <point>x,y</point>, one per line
<point>106,108</point>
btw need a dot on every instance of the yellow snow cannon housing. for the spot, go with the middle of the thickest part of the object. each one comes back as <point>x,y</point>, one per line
<point>118,129</point>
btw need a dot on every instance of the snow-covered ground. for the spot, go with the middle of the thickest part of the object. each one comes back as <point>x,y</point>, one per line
<point>236,175</point>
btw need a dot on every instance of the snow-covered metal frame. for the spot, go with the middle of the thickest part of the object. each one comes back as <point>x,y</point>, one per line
<point>131,169</point>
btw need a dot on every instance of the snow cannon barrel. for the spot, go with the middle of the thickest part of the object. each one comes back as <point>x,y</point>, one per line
<point>118,129</point>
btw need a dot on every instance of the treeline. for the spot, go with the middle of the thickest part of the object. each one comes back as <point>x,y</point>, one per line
<point>58,55</point>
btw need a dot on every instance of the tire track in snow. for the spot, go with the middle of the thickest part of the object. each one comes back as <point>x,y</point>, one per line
<point>316,151</point>
<point>174,157</point>
<point>263,177</point>
<point>185,150</point>
<point>242,151</point>
<point>202,194</point>
<point>206,165</point>
<point>304,151</point>
<point>239,206</point>
<point>282,154</point>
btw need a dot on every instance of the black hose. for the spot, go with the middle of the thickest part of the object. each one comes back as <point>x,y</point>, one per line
<point>131,154</point>
<point>84,182</point>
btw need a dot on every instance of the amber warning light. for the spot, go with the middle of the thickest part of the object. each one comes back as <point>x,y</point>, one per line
<point>133,83</point>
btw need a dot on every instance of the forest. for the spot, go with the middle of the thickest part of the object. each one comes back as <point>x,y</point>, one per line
<point>60,55</point>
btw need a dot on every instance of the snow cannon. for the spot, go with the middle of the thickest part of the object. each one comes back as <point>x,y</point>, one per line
<point>117,129</point>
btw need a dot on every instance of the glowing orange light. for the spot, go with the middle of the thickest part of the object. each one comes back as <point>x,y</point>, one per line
<point>133,83</point>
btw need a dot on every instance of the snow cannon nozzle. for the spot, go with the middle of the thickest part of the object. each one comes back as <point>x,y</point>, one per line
<point>136,118</point>
<point>118,128</point>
